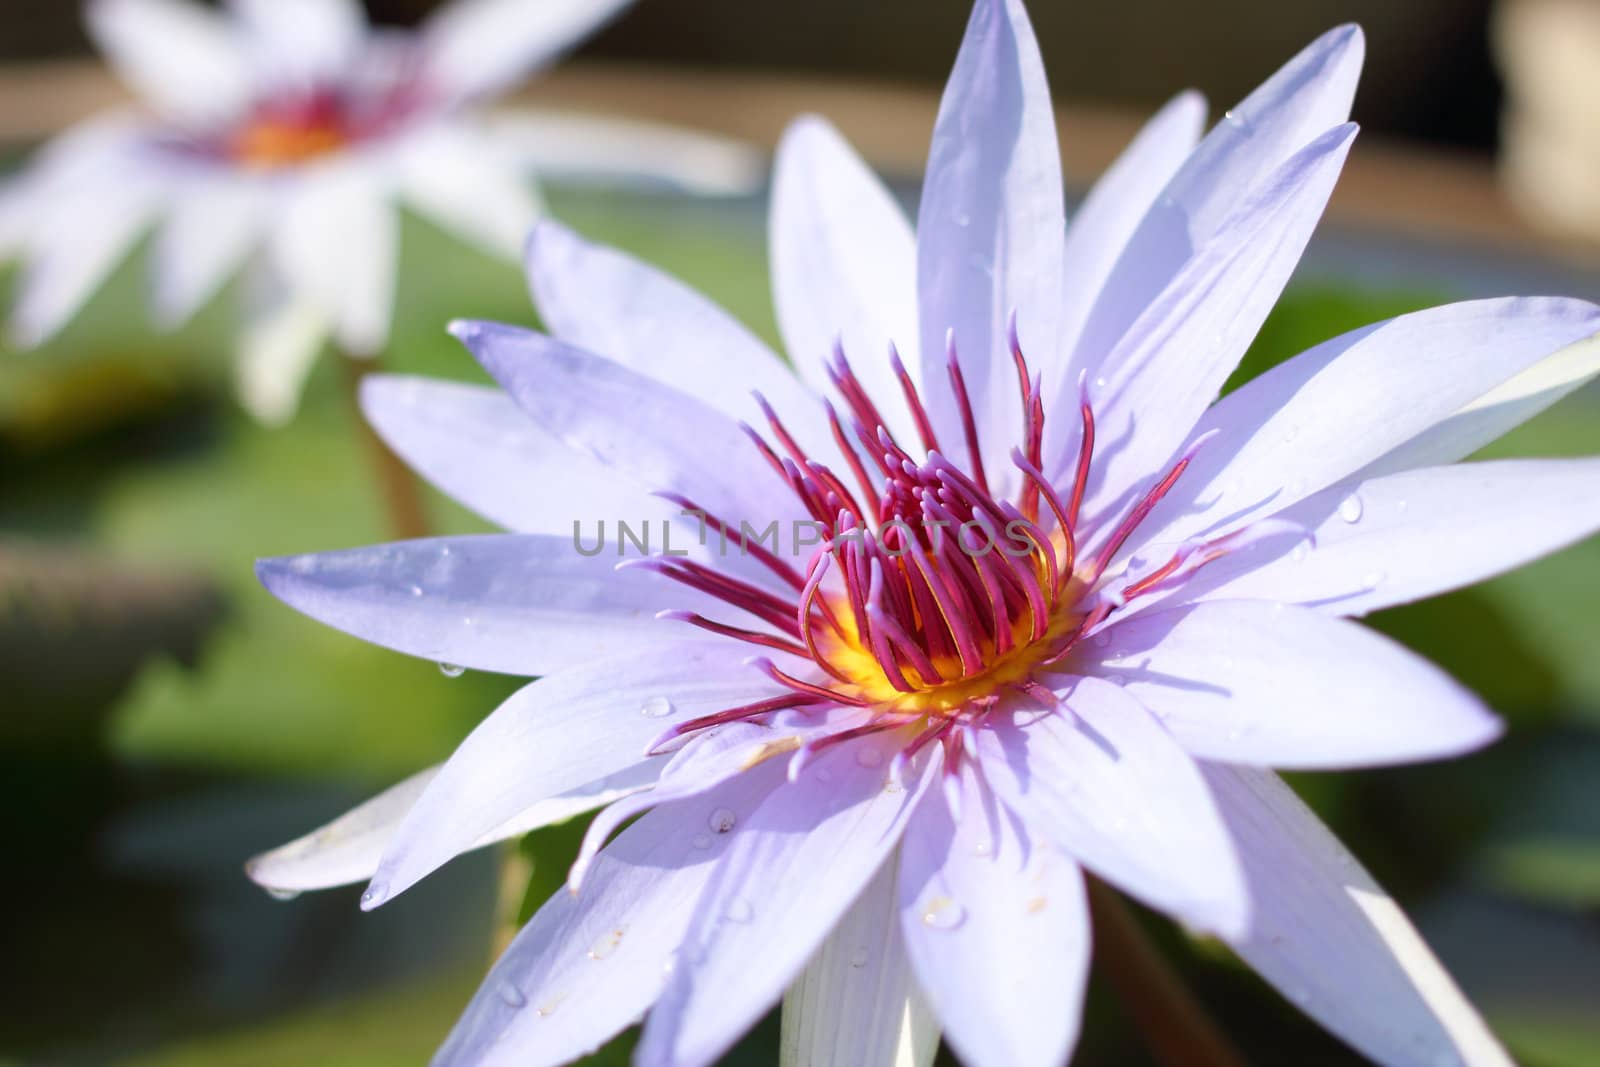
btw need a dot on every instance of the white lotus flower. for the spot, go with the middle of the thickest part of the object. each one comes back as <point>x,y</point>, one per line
<point>282,135</point>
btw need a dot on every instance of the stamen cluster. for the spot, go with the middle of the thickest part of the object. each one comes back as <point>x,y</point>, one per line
<point>944,595</point>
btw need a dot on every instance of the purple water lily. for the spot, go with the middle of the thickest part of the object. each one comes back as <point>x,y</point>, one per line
<point>989,591</point>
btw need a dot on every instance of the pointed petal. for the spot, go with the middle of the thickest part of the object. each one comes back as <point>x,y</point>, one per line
<point>590,147</point>
<point>338,244</point>
<point>304,42</point>
<point>82,230</point>
<point>844,266</point>
<point>474,48</point>
<point>1105,782</point>
<point>1409,536</point>
<point>207,234</point>
<point>991,227</point>
<point>514,603</point>
<point>702,765</point>
<point>1308,96</point>
<point>1351,402</point>
<point>856,1004</point>
<point>997,927</point>
<point>794,867</point>
<point>1173,361</point>
<point>283,335</point>
<point>1267,684</point>
<point>347,850</point>
<point>1334,942</point>
<point>655,434</point>
<point>478,446</point>
<point>590,964</point>
<point>182,58</point>
<point>463,181</point>
<point>1108,219</point>
<point>562,732</point>
<point>606,302</point>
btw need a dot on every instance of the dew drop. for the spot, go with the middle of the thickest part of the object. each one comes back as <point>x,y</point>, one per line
<point>1372,580</point>
<point>416,590</point>
<point>1102,639</point>
<point>450,670</point>
<point>513,996</point>
<point>858,958</point>
<point>722,820</point>
<point>1100,383</point>
<point>739,911</point>
<point>283,894</point>
<point>1299,552</point>
<point>869,756</point>
<point>656,708</point>
<point>1402,505</point>
<point>607,943</point>
<point>983,848</point>
<point>1290,433</point>
<point>374,895</point>
<point>1351,508</point>
<point>942,913</point>
<point>702,841</point>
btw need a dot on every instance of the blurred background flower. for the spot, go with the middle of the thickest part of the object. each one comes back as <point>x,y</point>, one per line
<point>278,138</point>
<point>150,741</point>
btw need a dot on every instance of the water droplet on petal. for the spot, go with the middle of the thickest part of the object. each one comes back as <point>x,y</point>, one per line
<point>1372,580</point>
<point>1290,433</point>
<point>739,911</point>
<point>942,913</point>
<point>858,958</point>
<point>375,894</point>
<point>1299,552</point>
<point>416,590</point>
<point>983,848</point>
<point>1351,508</point>
<point>283,894</point>
<point>702,841</point>
<point>656,708</point>
<point>513,996</point>
<point>607,943</point>
<point>722,820</point>
<point>869,756</point>
<point>450,670</point>
<point>1401,505</point>
<point>1102,639</point>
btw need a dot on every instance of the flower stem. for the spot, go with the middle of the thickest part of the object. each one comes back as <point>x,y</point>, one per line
<point>402,496</point>
<point>1174,1026</point>
<point>516,870</point>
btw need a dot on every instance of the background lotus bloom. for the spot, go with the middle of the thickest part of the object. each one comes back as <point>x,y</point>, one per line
<point>893,755</point>
<point>283,133</point>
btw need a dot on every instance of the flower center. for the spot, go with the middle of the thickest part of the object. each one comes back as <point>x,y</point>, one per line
<point>931,597</point>
<point>298,127</point>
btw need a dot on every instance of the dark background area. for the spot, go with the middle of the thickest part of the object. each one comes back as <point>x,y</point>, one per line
<point>1429,73</point>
